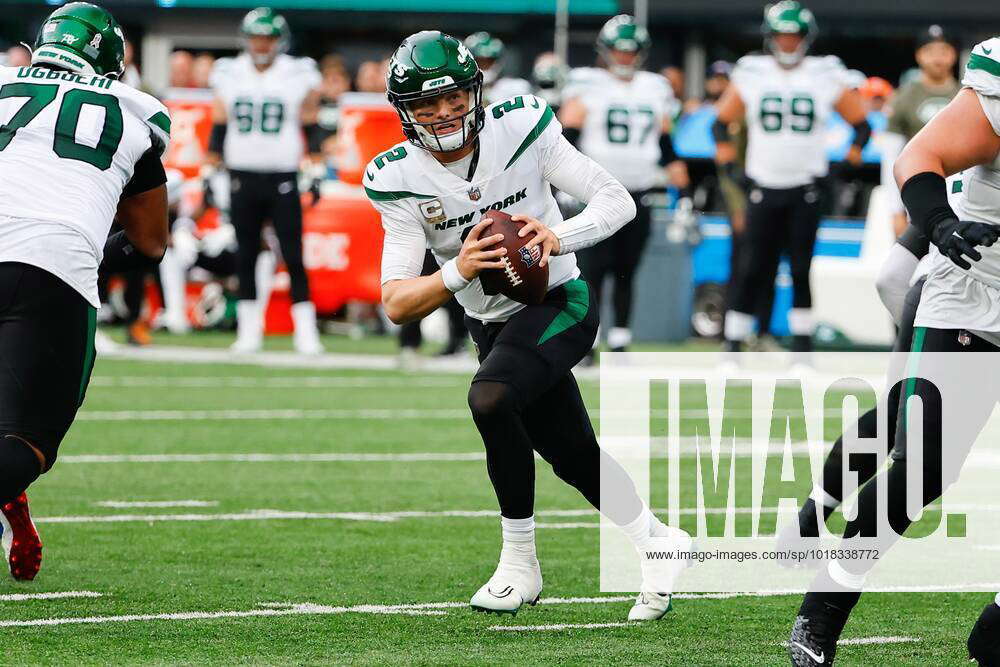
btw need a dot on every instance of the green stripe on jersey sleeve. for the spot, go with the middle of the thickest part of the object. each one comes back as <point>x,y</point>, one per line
<point>985,64</point>
<point>380,195</point>
<point>161,120</point>
<point>536,132</point>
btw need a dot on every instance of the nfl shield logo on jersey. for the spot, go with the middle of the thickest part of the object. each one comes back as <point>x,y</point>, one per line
<point>475,194</point>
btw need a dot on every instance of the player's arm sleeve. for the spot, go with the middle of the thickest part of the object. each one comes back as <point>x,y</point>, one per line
<point>148,174</point>
<point>609,205</point>
<point>893,281</point>
<point>158,122</point>
<point>404,243</point>
<point>890,145</point>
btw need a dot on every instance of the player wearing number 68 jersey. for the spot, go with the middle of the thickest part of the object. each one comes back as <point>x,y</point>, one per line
<point>786,98</point>
<point>619,116</point>
<point>78,149</point>
<point>265,101</point>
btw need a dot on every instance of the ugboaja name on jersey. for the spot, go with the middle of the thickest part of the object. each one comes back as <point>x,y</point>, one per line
<point>41,73</point>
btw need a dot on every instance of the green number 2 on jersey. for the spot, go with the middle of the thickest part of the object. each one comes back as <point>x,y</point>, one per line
<point>65,145</point>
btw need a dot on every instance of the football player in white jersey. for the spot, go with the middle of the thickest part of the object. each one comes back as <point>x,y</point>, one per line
<point>619,116</point>
<point>786,98</point>
<point>489,54</point>
<point>959,311</point>
<point>461,159</point>
<point>78,149</point>
<point>265,101</point>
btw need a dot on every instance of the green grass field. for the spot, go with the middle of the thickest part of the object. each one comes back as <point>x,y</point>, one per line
<point>300,556</point>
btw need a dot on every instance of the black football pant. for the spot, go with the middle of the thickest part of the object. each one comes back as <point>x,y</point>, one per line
<point>254,198</point>
<point>524,399</point>
<point>778,221</point>
<point>938,471</point>
<point>618,256</point>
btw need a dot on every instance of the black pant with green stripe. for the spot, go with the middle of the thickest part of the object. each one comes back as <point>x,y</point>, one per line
<point>946,442</point>
<point>46,352</point>
<point>524,399</point>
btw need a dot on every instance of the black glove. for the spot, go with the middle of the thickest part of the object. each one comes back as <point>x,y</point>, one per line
<point>314,186</point>
<point>955,238</point>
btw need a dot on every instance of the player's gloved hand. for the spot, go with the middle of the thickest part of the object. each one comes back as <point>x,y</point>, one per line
<point>955,238</point>
<point>317,173</point>
<point>208,195</point>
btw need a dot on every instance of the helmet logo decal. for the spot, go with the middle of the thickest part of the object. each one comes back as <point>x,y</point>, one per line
<point>463,53</point>
<point>437,83</point>
<point>69,39</point>
<point>96,42</point>
<point>399,70</point>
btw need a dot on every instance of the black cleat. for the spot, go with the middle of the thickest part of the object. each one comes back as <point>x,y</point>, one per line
<point>984,641</point>
<point>815,634</point>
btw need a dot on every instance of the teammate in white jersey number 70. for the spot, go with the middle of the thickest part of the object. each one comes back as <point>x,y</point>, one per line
<point>462,159</point>
<point>77,149</point>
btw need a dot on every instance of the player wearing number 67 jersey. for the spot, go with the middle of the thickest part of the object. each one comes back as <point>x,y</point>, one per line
<point>461,159</point>
<point>619,116</point>
<point>77,149</point>
<point>786,98</point>
<point>265,101</point>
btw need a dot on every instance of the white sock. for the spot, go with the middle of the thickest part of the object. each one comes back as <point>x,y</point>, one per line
<point>800,321</point>
<point>173,277</point>
<point>518,538</point>
<point>845,578</point>
<point>619,337</point>
<point>824,499</point>
<point>643,528</point>
<point>738,326</point>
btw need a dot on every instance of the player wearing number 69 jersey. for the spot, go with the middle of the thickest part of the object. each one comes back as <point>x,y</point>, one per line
<point>265,101</point>
<point>619,116</point>
<point>78,149</point>
<point>786,98</point>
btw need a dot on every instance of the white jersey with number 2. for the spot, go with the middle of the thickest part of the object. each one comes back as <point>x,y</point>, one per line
<point>68,146</point>
<point>787,110</point>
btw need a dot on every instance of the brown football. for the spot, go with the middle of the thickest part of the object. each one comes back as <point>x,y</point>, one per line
<point>522,279</point>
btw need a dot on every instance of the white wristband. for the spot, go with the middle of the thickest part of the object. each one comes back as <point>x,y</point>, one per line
<point>453,280</point>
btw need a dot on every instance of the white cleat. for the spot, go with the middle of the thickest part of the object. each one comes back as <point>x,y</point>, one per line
<point>659,572</point>
<point>650,607</point>
<point>510,587</point>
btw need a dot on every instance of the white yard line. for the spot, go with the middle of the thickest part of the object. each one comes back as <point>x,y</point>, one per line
<point>125,504</point>
<point>250,515</point>
<point>414,609</point>
<point>860,641</point>
<point>561,626</point>
<point>281,413</point>
<point>21,597</point>
<point>271,458</point>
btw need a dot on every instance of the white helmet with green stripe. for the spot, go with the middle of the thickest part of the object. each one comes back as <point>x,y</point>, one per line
<point>788,17</point>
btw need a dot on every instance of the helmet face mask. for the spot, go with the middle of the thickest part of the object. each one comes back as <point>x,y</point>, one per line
<point>265,35</point>
<point>426,68</point>
<point>788,17</point>
<point>83,38</point>
<point>622,35</point>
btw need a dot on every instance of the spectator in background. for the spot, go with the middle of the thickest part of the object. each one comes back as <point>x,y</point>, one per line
<point>131,75</point>
<point>877,92</point>
<point>913,106</point>
<point>371,76</point>
<point>675,76</point>
<point>181,69</point>
<point>717,80</point>
<point>18,56</point>
<point>336,81</point>
<point>201,70</point>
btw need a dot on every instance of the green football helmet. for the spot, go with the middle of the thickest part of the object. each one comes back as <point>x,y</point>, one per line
<point>265,22</point>
<point>488,52</point>
<point>82,38</point>
<point>788,17</point>
<point>426,65</point>
<point>622,33</point>
<point>549,76</point>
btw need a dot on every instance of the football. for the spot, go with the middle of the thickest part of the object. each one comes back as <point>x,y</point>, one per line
<point>522,279</point>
